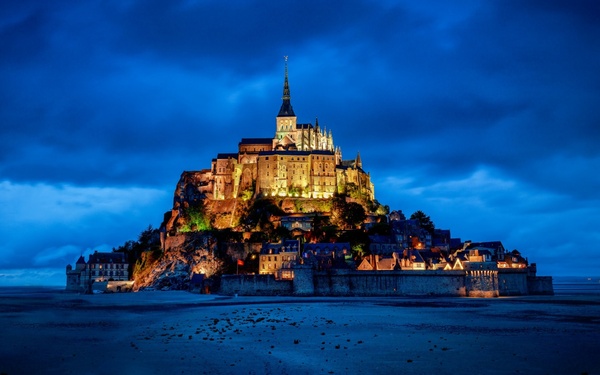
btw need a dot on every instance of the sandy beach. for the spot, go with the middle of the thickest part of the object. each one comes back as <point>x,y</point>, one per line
<point>183,333</point>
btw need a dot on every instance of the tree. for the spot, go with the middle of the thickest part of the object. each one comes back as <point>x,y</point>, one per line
<point>424,221</point>
<point>148,240</point>
<point>359,242</point>
<point>279,233</point>
<point>355,215</point>
<point>347,215</point>
<point>259,214</point>
<point>323,230</point>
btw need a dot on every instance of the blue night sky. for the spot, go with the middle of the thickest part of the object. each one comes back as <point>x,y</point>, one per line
<point>483,114</point>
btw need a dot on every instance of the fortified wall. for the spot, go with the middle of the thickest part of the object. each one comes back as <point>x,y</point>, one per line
<point>342,282</point>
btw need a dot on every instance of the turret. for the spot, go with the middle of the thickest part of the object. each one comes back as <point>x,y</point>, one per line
<point>358,161</point>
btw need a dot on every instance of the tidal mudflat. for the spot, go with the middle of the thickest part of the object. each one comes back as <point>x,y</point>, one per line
<point>181,333</point>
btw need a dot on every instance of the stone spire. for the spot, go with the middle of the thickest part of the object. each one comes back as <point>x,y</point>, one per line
<point>286,109</point>
<point>358,161</point>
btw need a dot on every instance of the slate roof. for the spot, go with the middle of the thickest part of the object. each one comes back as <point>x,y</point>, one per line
<point>489,244</point>
<point>107,258</point>
<point>417,256</point>
<point>256,141</point>
<point>326,247</point>
<point>387,264</point>
<point>227,156</point>
<point>281,247</point>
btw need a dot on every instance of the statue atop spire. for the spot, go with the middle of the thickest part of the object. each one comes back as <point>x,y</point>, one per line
<point>286,109</point>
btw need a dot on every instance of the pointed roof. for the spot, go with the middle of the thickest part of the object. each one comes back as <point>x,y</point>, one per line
<point>358,160</point>
<point>286,109</point>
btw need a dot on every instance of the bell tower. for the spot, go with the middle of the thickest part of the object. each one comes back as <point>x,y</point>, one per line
<point>286,119</point>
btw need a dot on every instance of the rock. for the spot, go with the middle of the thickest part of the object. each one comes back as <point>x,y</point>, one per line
<point>184,254</point>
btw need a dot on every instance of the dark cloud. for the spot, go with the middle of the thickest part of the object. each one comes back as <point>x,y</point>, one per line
<point>483,114</point>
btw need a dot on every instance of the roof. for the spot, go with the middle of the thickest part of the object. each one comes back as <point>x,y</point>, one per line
<point>286,109</point>
<point>365,265</point>
<point>415,256</point>
<point>285,246</point>
<point>80,260</point>
<point>227,156</point>
<point>107,258</point>
<point>256,141</point>
<point>296,218</point>
<point>326,247</point>
<point>387,264</point>
<point>487,244</point>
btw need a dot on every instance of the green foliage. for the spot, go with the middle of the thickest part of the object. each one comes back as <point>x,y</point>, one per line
<point>248,193</point>
<point>359,241</point>
<point>196,219</point>
<point>347,215</point>
<point>353,191</point>
<point>148,241</point>
<point>295,190</point>
<point>378,209</point>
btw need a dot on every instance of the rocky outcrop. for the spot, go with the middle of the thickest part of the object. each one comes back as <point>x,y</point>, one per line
<point>184,255</point>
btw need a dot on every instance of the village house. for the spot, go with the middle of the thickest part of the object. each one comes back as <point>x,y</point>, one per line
<point>277,258</point>
<point>326,255</point>
<point>100,267</point>
<point>383,245</point>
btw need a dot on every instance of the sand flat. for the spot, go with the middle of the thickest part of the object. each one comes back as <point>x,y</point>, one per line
<point>183,333</point>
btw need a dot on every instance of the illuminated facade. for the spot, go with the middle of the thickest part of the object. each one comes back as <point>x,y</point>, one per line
<point>301,161</point>
<point>100,267</point>
<point>278,258</point>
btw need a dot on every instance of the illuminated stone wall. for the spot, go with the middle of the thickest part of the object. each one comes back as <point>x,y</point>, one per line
<point>337,282</point>
<point>255,285</point>
<point>301,160</point>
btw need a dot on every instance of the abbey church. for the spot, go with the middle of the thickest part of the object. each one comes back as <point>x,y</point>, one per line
<point>301,161</point>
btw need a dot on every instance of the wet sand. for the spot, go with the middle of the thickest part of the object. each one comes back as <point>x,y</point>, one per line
<point>183,333</point>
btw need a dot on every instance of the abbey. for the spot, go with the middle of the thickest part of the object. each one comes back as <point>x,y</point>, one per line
<point>301,161</point>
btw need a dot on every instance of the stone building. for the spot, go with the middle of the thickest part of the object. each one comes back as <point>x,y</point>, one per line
<point>100,267</point>
<point>300,160</point>
<point>276,258</point>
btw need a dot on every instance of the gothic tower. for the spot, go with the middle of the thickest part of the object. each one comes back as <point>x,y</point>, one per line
<point>286,119</point>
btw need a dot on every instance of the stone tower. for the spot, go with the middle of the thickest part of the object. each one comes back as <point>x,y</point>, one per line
<point>286,119</point>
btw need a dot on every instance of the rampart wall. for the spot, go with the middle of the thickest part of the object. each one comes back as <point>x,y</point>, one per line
<point>512,282</point>
<point>389,283</point>
<point>540,285</point>
<point>255,285</point>
<point>341,282</point>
